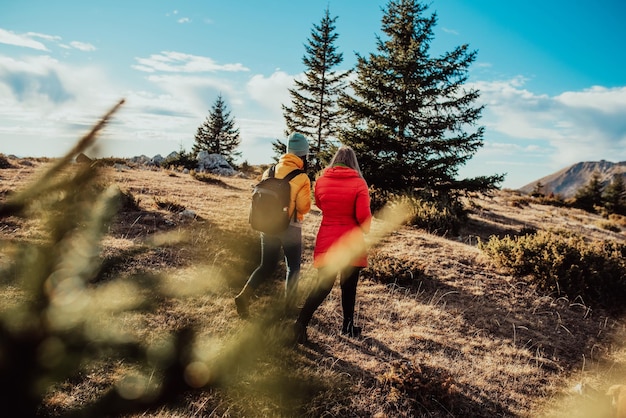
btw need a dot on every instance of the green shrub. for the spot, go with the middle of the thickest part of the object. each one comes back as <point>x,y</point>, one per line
<point>128,202</point>
<point>4,162</point>
<point>421,385</point>
<point>379,198</point>
<point>609,226</point>
<point>402,270</point>
<point>441,215</point>
<point>551,200</point>
<point>169,205</point>
<point>619,220</point>
<point>565,263</point>
<point>207,178</point>
<point>110,162</point>
<point>181,159</point>
<point>248,169</point>
<point>519,202</point>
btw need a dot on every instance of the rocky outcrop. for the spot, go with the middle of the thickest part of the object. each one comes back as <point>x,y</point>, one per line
<point>214,163</point>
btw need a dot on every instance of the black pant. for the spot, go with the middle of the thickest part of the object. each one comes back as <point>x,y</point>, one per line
<point>349,278</point>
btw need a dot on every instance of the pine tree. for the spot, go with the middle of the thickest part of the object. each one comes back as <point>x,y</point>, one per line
<point>217,134</point>
<point>314,110</point>
<point>538,190</point>
<point>409,111</point>
<point>590,196</point>
<point>279,149</point>
<point>614,195</point>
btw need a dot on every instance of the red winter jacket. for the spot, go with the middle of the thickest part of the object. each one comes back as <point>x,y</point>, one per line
<point>343,197</point>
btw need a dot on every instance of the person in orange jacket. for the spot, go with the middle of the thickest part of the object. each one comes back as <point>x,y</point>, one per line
<point>342,195</point>
<point>290,241</point>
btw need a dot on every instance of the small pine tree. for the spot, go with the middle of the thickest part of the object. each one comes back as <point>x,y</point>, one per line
<point>538,190</point>
<point>217,134</point>
<point>314,110</point>
<point>590,196</point>
<point>614,196</point>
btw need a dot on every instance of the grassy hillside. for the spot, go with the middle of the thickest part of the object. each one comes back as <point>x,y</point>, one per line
<point>446,333</point>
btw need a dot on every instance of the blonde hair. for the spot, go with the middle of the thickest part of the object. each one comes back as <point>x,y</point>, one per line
<point>346,156</point>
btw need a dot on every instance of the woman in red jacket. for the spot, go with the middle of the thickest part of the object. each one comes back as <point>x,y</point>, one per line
<point>342,195</point>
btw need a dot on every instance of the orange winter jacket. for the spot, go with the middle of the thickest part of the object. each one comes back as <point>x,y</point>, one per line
<point>343,197</point>
<point>300,184</point>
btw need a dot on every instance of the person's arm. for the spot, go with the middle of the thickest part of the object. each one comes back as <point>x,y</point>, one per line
<point>318,201</point>
<point>303,197</point>
<point>362,208</point>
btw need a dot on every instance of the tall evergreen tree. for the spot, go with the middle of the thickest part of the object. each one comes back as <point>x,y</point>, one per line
<point>409,111</point>
<point>590,196</point>
<point>217,134</point>
<point>614,195</point>
<point>314,111</point>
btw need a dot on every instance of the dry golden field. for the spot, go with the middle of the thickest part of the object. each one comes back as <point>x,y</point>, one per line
<point>445,332</point>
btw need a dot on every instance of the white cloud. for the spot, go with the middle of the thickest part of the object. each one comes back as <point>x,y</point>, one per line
<point>574,126</point>
<point>82,46</point>
<point>450,31</point>
<point>606,100</point>
<point>11,38</point>
<point>37,64</point>
<point>65,101</point>
<point>36,80</point>
<point>196,93</point>
<point>184,20</point>
<point>271,92</point>
<point>44,36</point>
<point>47,105</point>
<point>178,62</point>
<point>28,40</point>
<point>147,117</point>
<point>500,149</point>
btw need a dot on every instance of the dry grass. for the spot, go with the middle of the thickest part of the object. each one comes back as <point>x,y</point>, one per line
<point>446,334</point>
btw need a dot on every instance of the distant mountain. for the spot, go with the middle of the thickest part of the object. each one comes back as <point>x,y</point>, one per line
<point>568,181</point>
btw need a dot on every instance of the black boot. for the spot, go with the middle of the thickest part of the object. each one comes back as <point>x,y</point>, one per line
<point>291,308</point>
<point>299,333</point>
<point>242,300</point>
<point>350,330</point>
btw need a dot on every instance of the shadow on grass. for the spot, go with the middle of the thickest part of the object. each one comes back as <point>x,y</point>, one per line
<point>202,243</point>
<point>214,180</point>
<point>554,334</point>
<point>407,389</point>
<point>492,225</point>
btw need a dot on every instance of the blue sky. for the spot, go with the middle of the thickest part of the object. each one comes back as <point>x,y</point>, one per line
<point>551,73</point>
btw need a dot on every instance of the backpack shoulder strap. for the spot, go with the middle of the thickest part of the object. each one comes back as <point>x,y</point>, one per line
<point>271,171</point>
<point>287,178</point>
<point>293,173</point>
